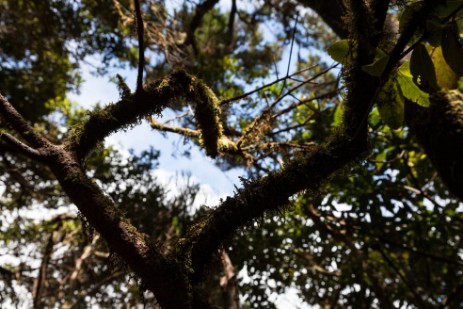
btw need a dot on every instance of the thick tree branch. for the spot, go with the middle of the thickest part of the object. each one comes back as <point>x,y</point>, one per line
<point>159,274</point>
<point>269,194</point>
<point>178,85</point>
<point>331,11</point>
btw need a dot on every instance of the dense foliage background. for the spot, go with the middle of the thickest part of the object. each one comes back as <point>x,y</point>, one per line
<point>381,227</point>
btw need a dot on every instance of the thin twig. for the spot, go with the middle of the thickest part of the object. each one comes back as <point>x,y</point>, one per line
<point>141,45</point>
<point>20,146</point>
<point>290,53</point>
<point>167,128</point>
<point>244,95</point>
<point>391,264</point>
<point>20,125</point>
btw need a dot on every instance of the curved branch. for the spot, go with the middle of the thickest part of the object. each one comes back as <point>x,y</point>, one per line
<point>156,96</point>
<point>20,146</point>
<point>20,125</point>
<point>167,128</point>
<point>270,193</point>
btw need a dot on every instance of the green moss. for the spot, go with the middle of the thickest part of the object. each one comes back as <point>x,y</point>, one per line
<point>124,90</point>
<point>207,115</point>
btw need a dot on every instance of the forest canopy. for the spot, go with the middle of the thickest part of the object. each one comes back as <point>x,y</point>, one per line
<point>346,115</point>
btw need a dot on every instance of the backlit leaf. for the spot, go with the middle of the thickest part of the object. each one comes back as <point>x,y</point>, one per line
<point>339,51</point>
<point>408,87</point>
<point>445,76</point>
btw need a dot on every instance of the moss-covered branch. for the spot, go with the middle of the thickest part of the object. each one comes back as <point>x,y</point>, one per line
<point>165,277</point>
<point>155,97</point>
<point>270,193</point>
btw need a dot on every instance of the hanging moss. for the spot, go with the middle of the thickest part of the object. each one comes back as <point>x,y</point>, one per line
<point>207,115</point>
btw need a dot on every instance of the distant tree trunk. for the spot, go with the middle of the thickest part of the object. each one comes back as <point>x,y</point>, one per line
<point>229,283</point>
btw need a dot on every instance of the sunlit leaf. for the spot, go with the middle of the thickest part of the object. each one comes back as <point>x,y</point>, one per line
<point>339,51</point>
<point>337,118</point>
<point>408,87</point>
<point>445,76</point>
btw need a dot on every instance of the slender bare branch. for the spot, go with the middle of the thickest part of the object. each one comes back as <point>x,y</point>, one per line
<point>167,128</point>
<point>20,146</point>
<point>247,94</point>
<point>141,45</point>
<point>79,262</point>
<point>20,125</point>
<point>41,279</point>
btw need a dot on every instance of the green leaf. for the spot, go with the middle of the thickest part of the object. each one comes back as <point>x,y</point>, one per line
<point>422,69</point>
<point>380,159</point>
<point>377,67</point>
<point>452,49</point>
<point>408,87</point>
<point>445,76</point>
<point>339,51</point>
<point>337,118</point>
<point>390,104</point>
